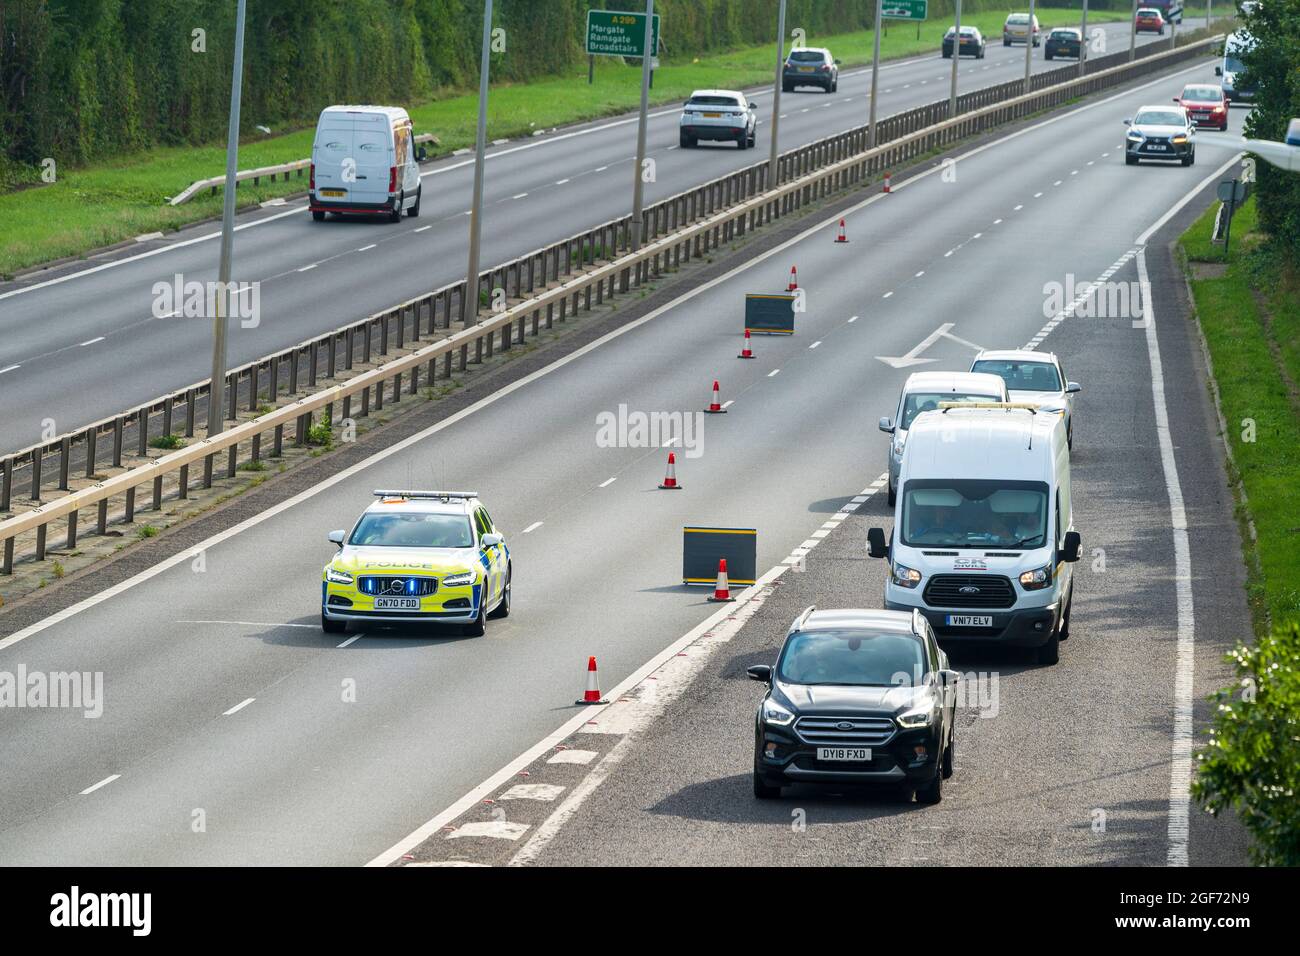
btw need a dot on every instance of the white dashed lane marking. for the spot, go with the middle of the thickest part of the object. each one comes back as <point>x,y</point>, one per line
<point>238,707</point>
<point>103,783</point>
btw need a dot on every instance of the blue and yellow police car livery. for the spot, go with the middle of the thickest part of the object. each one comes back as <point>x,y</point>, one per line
<point>418,557</point>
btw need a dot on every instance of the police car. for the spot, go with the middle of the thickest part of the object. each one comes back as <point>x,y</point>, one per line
<point>418,557</point>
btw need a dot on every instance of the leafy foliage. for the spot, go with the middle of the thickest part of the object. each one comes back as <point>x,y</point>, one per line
<point>1252,764</point>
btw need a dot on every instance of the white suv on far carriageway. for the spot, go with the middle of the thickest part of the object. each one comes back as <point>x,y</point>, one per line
<point>723,115</point>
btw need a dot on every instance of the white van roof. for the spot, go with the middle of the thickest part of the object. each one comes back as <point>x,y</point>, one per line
<point>1014,444</point>
<point>393,113</point>
<point>979,383</point>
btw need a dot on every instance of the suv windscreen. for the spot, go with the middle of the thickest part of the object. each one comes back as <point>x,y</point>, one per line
<point>1022,376</point>
<point>1159,118</point>
<point>807,56</point>
<point>970,513</point>
<point>918,402</point>
<point>855,658</point>
<point>413,530</point>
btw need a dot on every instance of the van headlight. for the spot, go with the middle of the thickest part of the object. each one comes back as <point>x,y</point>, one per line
<point>899,442</point>
<point>334,576</point>
<point>1037,579</point>
<point>774,713</point>
<point>905,577</point>
<point>459,579</point>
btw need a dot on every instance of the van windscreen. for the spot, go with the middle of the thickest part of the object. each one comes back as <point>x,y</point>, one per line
<point>968,513</point>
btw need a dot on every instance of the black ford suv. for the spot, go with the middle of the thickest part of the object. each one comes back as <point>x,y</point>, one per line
<point>810,67</point>
<point>856,697</point>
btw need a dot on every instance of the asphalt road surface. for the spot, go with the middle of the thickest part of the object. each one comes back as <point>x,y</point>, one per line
<point>225,703</point>
<point>93,325</point>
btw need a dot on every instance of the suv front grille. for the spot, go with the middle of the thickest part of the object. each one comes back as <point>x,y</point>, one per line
<point>861,732</point>
<point>945,590</point>
<point>397,586</point>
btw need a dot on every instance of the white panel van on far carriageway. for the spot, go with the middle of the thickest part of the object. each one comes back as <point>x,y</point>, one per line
<point>364,161</point>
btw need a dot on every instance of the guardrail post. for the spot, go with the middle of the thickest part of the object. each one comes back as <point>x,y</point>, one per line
<point>207,471</point>
<point>37,456</point>
<point>383,333</point>
<point>142,430</point>
<point>183,483</point>
<point>191,399</point>
<point>293,372</point>
<point>117,441</point>
<point>313,351</point>
<point>255,453</point>
<point>65,451</point>
<point>252,387</point>
<point>397,387</point>
<point>232,460</point>
<point>349,343</point>
<point>365,402</point>
<point>156,504</point>
<point>232,391</point>
<point>40,542</point>
<point>278,444</point>
<point>101,518</point>
<point>91,441</point>
<point>6,483</point>
<point>167,415</point>
<point>129,517</point>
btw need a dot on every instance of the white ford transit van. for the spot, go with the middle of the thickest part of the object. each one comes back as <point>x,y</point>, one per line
<point>984,537</point>
<point>364,161</point>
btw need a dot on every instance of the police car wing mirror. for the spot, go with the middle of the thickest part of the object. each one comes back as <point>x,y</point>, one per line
<point>760,672</point>
<point>1073,546</point>
<point>876,544</point>
<point>886,425</point>
<point>1072,387</point>
<point>336,537</point>
<point>490,540</point>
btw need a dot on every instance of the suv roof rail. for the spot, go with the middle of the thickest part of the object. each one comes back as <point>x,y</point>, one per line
<point>409,493</point>
<point>1009,406</point>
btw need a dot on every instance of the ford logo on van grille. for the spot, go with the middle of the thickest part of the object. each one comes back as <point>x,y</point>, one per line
<point>969,589</point>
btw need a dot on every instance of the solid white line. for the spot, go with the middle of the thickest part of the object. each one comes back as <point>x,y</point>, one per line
<point>607,482</point>
<point>341,476</point>
<point>103,783</point>
<point>238,707</point>
<point>532,527</point>
<point>90,342</point>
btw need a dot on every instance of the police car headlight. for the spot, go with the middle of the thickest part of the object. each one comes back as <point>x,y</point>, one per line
<point>905,577</point>
<point>459,579</point>
<point>334,576</point>
<point>774,713</point>
<point>1037,579</point>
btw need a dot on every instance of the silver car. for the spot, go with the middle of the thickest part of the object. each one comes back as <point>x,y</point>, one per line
<point>922,392</point>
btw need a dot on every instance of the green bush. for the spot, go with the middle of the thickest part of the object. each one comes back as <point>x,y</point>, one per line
<point>167,442</point>
<point>1252,764</point>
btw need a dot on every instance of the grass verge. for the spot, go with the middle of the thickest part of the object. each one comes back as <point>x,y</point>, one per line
<point>1249,312</point>
<point>99,205</point>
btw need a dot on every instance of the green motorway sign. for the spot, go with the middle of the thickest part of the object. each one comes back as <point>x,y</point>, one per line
<point>615,33</point>
<point>904,9</point>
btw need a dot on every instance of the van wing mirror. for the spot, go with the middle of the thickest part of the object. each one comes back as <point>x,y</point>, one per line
<point>1072,548</point>
<point>421,154</point>
<point>886,425</point>
<point>760,672</point>
<point>336,537</point>
<point>877,547</point>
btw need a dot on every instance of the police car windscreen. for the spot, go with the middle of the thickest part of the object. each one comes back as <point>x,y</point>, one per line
<point>413,530</point>
<point>918,402</point>
<point>974,514</point>
<point>852,657</point>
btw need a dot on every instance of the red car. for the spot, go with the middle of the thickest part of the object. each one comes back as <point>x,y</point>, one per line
<point>1150,20</point>
<point>1206,105</point>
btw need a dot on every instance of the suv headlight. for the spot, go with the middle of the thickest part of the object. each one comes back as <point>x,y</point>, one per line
<point>458,579</point>
<point>774,713</point>
<point>922,716</point>
<point>905,577</point>
<point>1134,136</point>
<point>1037,579</point>
<point>334,576</point>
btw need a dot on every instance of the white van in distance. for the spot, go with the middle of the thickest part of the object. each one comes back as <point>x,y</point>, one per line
<point>364,161</point>
<point>984,535</point>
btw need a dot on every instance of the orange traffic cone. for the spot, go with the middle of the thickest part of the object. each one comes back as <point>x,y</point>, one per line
<point>886,180</point>
<point>746,352</point>
<point>794,279</point>
<point>721,591</point>
<point>670,479</point>
<point>715,406</point>
<point>842,237</point>
<point>592,695</point>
